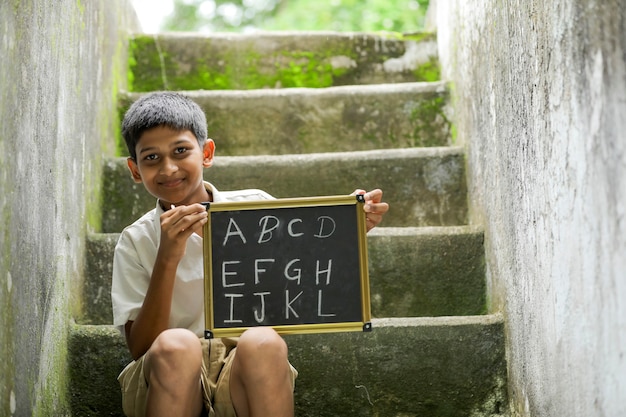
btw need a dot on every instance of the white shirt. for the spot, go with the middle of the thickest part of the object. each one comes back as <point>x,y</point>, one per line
<point>133,262</point>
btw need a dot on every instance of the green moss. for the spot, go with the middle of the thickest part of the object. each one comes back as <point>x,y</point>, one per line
<point>145,69</point>
<point>111,118</point>
<point>298,69</point>
<point>132,63</point>
<point>215,81</point>
<point>25,8</point>
<point>53,395</point>
<point>429,71</point>
<point>151,69</point>
<point>123,61</point>
<point>430,122</point>
<point>96,354</point>
<point>453,133</point>
<point>453,97</point>
<point>7,367</point>
<point>389,35</point>
<point>412,36</point>
<point>123,103</point>
<point>308,70</point>
<point>53,384</point>
<point>419,36</point>
<point>116,120</point>
<point>202,78</point>
<point>93,211</point>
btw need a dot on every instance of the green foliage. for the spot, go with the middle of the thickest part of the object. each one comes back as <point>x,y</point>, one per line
<point>350,15</point>
<point>335,15</point>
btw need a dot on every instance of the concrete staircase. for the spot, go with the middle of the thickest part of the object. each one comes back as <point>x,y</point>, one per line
<point>301,114</point>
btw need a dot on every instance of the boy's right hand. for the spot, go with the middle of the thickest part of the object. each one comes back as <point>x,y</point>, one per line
<point>177,224</point>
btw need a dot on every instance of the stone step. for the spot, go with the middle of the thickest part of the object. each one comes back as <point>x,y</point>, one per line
<point>424,186</point>
<point>432,271</point>
<point>190,61</point>
<point>336,119</point>
<point>436,367</point>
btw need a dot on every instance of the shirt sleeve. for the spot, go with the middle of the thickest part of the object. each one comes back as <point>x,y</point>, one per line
<point>130,282</point>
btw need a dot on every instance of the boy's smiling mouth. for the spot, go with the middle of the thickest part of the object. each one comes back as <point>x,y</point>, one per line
<point>172,183</point>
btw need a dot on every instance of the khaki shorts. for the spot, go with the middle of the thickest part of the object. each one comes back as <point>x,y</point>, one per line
<point>217,359</point>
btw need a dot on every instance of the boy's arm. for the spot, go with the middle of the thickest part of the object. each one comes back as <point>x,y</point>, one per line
<point>177,225</point>
<point>374,207</point>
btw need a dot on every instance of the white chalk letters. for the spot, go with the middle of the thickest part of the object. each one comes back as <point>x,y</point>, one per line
<point>279,278</point>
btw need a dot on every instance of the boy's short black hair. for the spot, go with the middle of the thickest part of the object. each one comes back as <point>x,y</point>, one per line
<point>162,108</point>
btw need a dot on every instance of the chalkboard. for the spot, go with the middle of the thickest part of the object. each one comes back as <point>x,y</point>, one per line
<point>298,265</point>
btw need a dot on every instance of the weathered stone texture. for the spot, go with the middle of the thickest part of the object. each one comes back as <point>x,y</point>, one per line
<point>540,93</point>
<point>189,61</point>
<point>62,63</point>
<point>356,373</point>
<point>337,119</point>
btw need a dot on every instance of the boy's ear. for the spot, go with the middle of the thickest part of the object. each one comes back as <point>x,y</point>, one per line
<point>209,153</point>
<point>134,170</point>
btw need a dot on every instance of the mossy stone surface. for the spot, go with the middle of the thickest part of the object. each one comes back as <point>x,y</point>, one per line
<point>338,119</point>
<point>97,286</point>
<point>271,60</point>
<point>438,367</point>
<point>404,367</point>
<point>427,271</point>
<point>97,354</point>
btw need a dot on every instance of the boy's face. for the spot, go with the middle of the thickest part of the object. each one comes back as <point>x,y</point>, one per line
<point>170,165</point>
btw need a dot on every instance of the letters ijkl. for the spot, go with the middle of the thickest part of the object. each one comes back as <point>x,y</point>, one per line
<point>231,271</point>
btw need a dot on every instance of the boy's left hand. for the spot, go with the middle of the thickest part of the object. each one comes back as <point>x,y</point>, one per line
<point>374,207</point>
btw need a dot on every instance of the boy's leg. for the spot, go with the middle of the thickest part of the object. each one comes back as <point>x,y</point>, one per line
<point>172,367</point>
<point>261,381</point>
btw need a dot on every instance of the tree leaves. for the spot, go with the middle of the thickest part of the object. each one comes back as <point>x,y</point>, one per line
<point>335,15</point>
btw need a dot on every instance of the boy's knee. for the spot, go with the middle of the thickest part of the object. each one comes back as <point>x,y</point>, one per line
<point>262,343</point>
<point>175,348</point>
<point>262,361</point>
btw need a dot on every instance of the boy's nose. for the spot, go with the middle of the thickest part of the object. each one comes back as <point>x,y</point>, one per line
<point>168,167</point>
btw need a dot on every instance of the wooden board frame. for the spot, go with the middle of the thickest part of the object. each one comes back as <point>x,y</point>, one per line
<point>363,324</point>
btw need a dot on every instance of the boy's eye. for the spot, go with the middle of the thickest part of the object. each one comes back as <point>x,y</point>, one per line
<point>151,157</point>
<point>180,150</point>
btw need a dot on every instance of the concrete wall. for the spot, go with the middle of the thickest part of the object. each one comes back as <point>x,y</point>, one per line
<point>62,63</point>
<point>540,89</point>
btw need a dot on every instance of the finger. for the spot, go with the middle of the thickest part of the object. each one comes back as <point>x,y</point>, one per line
<point>184,210</point>
<point>374,196</point>
<point>183,218</point>
<point>198,226</point>
<point>179,212</point>
<point>358,191</point>
<point>372,220</point>
<point>376,208</point>
<point>191,220</point>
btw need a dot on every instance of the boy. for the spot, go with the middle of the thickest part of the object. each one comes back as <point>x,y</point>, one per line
<point>157,289</point>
